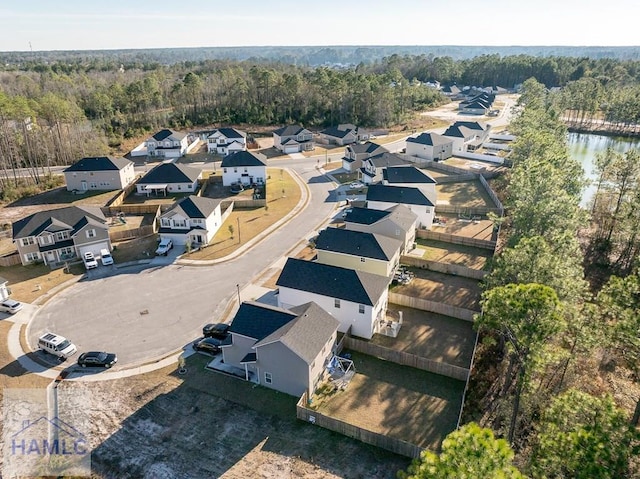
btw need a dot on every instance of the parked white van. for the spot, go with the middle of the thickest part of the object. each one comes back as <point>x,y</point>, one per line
<point>56,345</point>
<point>105,257</point>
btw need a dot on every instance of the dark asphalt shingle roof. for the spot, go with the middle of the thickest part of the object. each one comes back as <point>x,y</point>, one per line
<point>406,174</point>
<point>336,132</point>
<point>166,133</point>
<point>290,130</point>
<point>358,243</point>
<point>431,139</point>
<point>387,159</point>
<point>333,281</point>
<point>243,158</point>
<point>472,125</point>
<point>366,147</point>
<point>365,216</point>
<point>397,194</point>
<point>258,320</point>
<point>70,217</point>
<point>170,173</point>
<point>195,206</point>
<point>459,131</point>
<point>230,133</point>
<point>99,163</point>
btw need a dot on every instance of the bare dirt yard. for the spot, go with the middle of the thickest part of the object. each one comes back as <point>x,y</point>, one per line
<point>450,253</point>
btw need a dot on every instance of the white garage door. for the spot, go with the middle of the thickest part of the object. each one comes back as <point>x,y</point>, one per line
<point>291,149</point>
<point>94,248</point>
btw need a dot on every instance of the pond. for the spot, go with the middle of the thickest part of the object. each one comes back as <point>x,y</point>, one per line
<point>584,147</point>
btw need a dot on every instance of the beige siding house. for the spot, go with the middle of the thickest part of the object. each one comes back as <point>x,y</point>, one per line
<point>99,173</point>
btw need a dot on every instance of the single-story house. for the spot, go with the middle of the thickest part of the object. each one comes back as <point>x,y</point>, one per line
<point>293,139</point>
<point>355,298</point>
<point>396,222</point>
<point>61,235</point>
<point>169,177</point>
<point>282,349</point>
<point>244,167</point>
<point>343,134</point>
<point>362,251</point>
<point>99,173</point>
<point>167,144</point>
<point>412,177</point>
<point>224,141</point>
<point>355,154</point>
<point>381,197</point>
<point>193,220</point>
<point>430,146</point>
<point>372,167</point>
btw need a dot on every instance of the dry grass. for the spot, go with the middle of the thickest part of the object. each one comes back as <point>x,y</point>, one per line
<point>465,193</point>
<point>28,283</point>
<point>12,374</point>
<point>135,249</point>
<point>475,258</point>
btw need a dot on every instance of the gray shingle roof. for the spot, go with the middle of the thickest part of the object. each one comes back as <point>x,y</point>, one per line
<point>332,281</point>
<point>387,159</point>
<point>258,320</point>
<point>243,158</point>
<point>366,147</point>
<point>71,217</point>
<point>170,173</point>
<point>459,131</point>
<point>397,194</point>
<point>407,174</point>
<point>430,139</point>
<point>336,132</point>
<point>365,216</point>
<point>290,130</point>
<point>307,334</point>
<point>196,206</point>
<point>231,133</point>
<point>166,133</point>
<point>358,243</point>
<point>99,163</point>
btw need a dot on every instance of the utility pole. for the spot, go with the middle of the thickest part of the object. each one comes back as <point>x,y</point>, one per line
<point>238,289</point>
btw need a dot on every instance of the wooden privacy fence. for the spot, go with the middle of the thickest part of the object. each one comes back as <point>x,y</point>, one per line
<point>240,204</point>
<point>446,268</point>
<point>457,179</point>
<point>133,232</point>
<point>397,446</point>
<point>120,197</point>
<point>456,239</point>
<point>467,210</point>
<point>142,209</point>
<point>10,259</point>
<point>406,359</point>
<point>491,193</point>
<point>432,306</point>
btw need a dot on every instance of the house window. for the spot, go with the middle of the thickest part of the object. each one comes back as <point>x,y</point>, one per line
<point>32,257</point>
<point>61,235</point>
<point>225,170</point>
<point>267,378</point>
<point>245,170</point>
<point>235,169</point>
<point>91,233</point>
<point>66,252</point>
<point>361,308</point>
<point>179,223</point>
<point>166,222</point>
<point>179,187</point>
<point>27,241</point>
<point>336,303</point>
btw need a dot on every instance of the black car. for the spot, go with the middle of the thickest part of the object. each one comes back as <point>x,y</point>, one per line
<point>97,359</point>
<point>208,345</point>
<point>215,330</point>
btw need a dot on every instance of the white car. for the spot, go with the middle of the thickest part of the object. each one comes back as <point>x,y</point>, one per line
<point>10,306</point>
<point>90,261</point>
<point>356,184</point>
<point>163,248</point>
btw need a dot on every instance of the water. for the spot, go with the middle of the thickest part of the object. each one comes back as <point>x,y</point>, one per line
<point>584,147</point>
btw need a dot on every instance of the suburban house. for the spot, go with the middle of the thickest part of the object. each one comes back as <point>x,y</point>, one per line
<point>372,167</point>
<point>358,300</point>
<point>167,144</point>
<point>467,135</point>
<point>193,220</point>
<point>293,139</point>
<point>355,154</point>
<point>362,251</point>
<point>344,134</point>
<point>169,177</point>
<point>244,167</point>
<point>99,173</point>
<point>412,177</point>
<point>224,141</point>
<point>381,197</point>
<point>60,235</point>
<point>452,91</point>
<point>285,350</point>
<point>478,104</point>
<point>396,222</point>
<point>430,146</point>
<point>4,290</point>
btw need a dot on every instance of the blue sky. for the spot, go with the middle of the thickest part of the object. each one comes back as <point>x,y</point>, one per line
<point>115,24</point>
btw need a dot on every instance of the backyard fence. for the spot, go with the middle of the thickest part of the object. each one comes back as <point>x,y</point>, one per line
<point>467,210</point>
<point>120,197</point>
<point>10,259</point>
<point>492,194</point>
<point>142,209</point>
<point>397,446</point>
<point>406,359</point>
<point>456,239</point>
<point>121,235</point>
<point>432,306</point>
<point>458,178</point>
<point>446,268</point>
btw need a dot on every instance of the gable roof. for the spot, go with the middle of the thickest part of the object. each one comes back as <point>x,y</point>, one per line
<point>397,194</point>
<point>365,216</point>
<point>460,131</point>
<point>290,130</point>
<point>170,173</point>
<point>99,163</point>
<point>337,132</point>
<point>166,133</point>
<point>68,218</point>
<point>430,139</point>
<point>229,133</point>
<point>307,333</point>
<point>406,174</point>
<point>366,147</point>
<point>358,243</point>
<point>195,206</point>
<point>402,216</point>
<point>472,125</point>
<point>332,281</point>
<point>243,158</point>
<point>258,320</point>
<point>387,159</point>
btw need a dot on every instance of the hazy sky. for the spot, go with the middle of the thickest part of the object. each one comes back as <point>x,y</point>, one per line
<point>115,24</point>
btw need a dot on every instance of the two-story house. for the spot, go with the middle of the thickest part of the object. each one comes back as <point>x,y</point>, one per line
<point>382,197</point>
<point>362,251</point>
<point>293,139</point>
<point>282,349</point>
<point>343,134</point>
<point>99,173</point>
<point>193,220</point>
<point>244,167</point>
<point>61,235</point>
<point>372,167</point>
<point>467,135</point>
<point>430,146</point>
<point>167,144</point>
<point>396,222</point>
<point>358,300</point>
<point>225,141</point>
<point>169,177</point>
<point>355,154</point>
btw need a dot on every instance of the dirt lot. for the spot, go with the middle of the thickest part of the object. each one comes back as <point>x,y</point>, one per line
<point>480,229</point>
<point>449,253</point>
